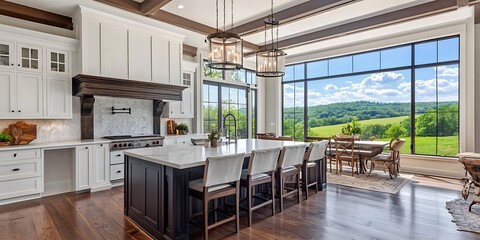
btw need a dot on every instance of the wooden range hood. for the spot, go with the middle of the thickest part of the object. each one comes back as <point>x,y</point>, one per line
<point>88,86</point>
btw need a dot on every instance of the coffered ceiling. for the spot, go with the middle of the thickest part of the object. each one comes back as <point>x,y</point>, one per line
<point>302,22</point>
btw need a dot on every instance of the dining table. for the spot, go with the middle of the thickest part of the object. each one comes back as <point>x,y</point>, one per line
<point>365,150</point>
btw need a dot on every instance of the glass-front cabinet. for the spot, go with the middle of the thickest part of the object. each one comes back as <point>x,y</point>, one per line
<point>57,62</point>
<point>29,58</point>
<point>7,55</point>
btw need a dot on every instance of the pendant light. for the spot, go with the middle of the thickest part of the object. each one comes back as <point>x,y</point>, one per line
<point>271,62</point>
<point>225,48</point>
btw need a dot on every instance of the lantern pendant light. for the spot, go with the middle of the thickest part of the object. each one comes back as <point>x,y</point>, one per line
<point>271,62</point>
<point>225,48</point>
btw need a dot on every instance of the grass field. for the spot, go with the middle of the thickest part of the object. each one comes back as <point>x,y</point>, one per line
<point>336,129</point>
<point>447,146</point>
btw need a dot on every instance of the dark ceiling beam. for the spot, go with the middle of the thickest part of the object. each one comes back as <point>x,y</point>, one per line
<point>189,50</point>
<point>35,15</point>
<point>170,18</point>
<point>150,7</point>
<point>406,14</point>
<point>292,14</point>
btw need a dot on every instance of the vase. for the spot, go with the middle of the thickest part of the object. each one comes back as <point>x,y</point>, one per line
<point>214,143</point>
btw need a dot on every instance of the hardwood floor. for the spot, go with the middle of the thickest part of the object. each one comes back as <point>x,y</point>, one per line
<point>416,212</point>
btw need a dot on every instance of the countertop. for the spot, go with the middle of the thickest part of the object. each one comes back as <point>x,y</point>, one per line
<point>183,156</point>
<point>190,135</point>
<point>55,145</point>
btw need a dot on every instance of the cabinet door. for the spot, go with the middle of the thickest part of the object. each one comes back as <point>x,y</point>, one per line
<point>29,58</point>
<point>91,46</point>
<point>7,95</point>
<point>175,108</point>
<point>139,56</point>
<point>29,95</point>
<point>57,62</point>
<point>187,103</point>
<point>176,56</point>
<point>160,60</point>
<point>7,55</point>
<point>101,165</point>
<point>58,97</point>
<point>83,166</point>
<point>114,53</point>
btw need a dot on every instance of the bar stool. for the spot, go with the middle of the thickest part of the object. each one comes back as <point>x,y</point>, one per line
<point>315,152</point>
<point>289,164</point>
<point>221,178</point>
<point>261,170</point>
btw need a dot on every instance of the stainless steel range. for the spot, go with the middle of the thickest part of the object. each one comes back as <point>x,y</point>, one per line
<point>120,143</point>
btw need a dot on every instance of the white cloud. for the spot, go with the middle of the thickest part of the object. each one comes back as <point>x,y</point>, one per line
<point>445,71</point>
<point>330,87</point>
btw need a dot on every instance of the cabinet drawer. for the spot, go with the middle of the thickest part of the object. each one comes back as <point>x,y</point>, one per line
<point>20,154</point>
<point>21,187</point>
<point>116,157</point>
<point>10,170</point>
<point>116,172</point>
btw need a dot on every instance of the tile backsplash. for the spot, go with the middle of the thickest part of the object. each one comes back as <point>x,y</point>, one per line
<point>106,123</point>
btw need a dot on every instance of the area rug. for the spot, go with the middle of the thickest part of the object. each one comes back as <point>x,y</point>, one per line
<point>465,220</point>
<point>377,181</point>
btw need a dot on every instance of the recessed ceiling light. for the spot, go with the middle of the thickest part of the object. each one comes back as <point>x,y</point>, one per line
<point>180,6</point>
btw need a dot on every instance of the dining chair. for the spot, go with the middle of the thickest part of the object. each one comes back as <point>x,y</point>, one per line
<point>221,178</point>
<point>389,161</point>
<point>280,138</point>
<point>330,155</point>
<point>265,135</point>
<point>315,152</point>
<point>345,152</point>
<point>289,165</point>
<point>261,170</point>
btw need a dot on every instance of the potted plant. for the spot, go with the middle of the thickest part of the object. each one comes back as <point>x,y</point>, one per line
<point>182,129</point>
<point>352,128</point>
<point>5,139</point>
<point>213,137</point>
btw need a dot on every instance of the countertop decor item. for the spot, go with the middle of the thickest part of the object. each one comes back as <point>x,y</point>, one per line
<point>182,129</point>
<point>214,136</point>
<point>21,133</point>
<point>171,127</point>
<point>5,139</point>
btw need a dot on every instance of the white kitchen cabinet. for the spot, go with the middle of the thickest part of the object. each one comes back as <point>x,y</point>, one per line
<point>58,97</point>
<point>139,55</point>
<point>101,165</point>
<point>29,58</point>
<point>114,50</point>
<point>160,60</point>
<point>57,62</point>
<point>83,167</point>
<point>91,29</point>
<point>7,55</point>
<point>7,95</point>
<point>92,166</point>
<point>176,58</point>
<point>184,108</point>
<point>29,95</point>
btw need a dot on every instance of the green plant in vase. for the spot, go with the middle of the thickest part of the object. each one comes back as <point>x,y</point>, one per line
<point>5,138</point>
<point>214,136</point>
<point>182,128</point>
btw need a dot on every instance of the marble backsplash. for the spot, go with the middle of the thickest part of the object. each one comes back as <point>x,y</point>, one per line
<point>105,123</point>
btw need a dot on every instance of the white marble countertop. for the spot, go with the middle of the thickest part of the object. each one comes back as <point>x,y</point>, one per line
<point>183,156</point>
<point>190,135</point>
<point>55,145</point>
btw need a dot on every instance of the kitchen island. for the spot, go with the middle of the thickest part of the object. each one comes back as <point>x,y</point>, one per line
<point>156,182</point>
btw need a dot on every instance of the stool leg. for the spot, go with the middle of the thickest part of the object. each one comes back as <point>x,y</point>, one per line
<point>249,204</point>
<point>316,176</point>
<point>273,195</point>
<point>205,217</point>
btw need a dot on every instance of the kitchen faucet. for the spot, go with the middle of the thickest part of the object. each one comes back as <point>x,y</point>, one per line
<point>227,132</point>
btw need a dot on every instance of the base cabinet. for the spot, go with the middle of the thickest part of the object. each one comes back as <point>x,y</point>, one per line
<point>92,166</point>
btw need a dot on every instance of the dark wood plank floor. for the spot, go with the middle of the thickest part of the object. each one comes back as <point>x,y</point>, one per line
<point>416,212</point>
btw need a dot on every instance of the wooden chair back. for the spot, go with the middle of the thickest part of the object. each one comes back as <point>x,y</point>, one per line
<point>262,161</point>
<point>291,156</point>
<point>395,147</point>
<point>281,138</point>
<point>223,169</point>
<point>344,147</point>
<point>265,135</point>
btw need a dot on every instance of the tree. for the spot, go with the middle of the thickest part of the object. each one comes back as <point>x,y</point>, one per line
<point>352,128</point>
<point>373,131</point>
<point>395,131</point>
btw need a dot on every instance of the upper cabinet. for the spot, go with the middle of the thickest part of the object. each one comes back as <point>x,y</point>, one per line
<point>120,48</point>
<point>35,75</point>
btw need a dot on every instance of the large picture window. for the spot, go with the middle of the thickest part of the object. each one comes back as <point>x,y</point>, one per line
<point>409,91</point>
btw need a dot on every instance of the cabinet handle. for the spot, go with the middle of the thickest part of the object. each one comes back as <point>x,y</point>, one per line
<point>86,147</point>
<point>14,155</point>
<point>19,64</point>
<point>11,64</point>
<point>119,155</point>
<point>183,112</point>
<point>119,171</point>
<point>13,110</point>
<point>16,169</point>
<point>19,110</point>
<point>101,145</point>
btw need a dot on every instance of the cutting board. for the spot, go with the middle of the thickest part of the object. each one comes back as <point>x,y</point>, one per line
<point>22,133</point>
<point>171,127</point>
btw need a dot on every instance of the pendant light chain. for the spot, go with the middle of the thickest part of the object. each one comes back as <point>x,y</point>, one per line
<point>273,25</point>
<point>216,6</point>
<point>224,11</point>
<point>231,27</point>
